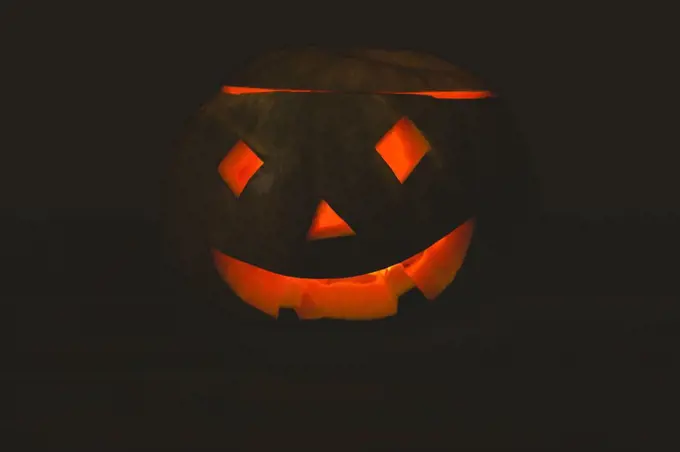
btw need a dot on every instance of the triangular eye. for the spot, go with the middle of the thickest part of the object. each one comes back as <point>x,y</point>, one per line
<point>402,148</point>
<point>327,223</point>
<point>238,166</point>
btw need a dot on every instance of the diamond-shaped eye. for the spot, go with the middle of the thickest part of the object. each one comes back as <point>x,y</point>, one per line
<point>402,148</point>
<point>238,166</point>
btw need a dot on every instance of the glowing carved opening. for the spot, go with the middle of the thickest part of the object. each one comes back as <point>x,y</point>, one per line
<point>239,165</point>
<point>402,148</point>
<point>481,94</point>
<point>365,297</point>
<point>327,223</point>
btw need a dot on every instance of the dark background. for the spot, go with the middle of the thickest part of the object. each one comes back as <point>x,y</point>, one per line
<point>575,343</point>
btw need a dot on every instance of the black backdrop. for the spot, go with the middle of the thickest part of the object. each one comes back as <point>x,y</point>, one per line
<point>577,344</point>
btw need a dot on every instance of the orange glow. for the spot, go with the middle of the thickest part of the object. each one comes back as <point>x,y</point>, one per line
<point>364,297</point>
<point>481,94</point>
<point>402,147</point>
<point>327,224</point>
<point>239,165</point>
<point>244,90</point>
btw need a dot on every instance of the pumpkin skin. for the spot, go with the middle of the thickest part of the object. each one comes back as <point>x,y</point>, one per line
<point>307,126</point>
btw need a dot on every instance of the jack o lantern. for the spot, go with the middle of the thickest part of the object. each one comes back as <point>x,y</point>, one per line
<point>330,184</point>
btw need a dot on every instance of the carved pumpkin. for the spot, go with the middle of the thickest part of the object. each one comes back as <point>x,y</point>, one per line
<point>331,184</point>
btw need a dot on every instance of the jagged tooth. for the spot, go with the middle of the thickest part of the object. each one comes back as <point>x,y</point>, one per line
<point>398,280</point>
<point>440,263</point>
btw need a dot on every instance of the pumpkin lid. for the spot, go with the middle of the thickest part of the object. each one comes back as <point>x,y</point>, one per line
<point>362,70</point>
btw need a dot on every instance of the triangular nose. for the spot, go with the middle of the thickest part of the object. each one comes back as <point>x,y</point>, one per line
<point>327,223</point>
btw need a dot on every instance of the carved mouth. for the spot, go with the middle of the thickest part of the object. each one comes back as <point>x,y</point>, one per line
<point>364,297</point>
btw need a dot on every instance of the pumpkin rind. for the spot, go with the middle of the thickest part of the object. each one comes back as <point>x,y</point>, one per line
<point>315,147</point>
